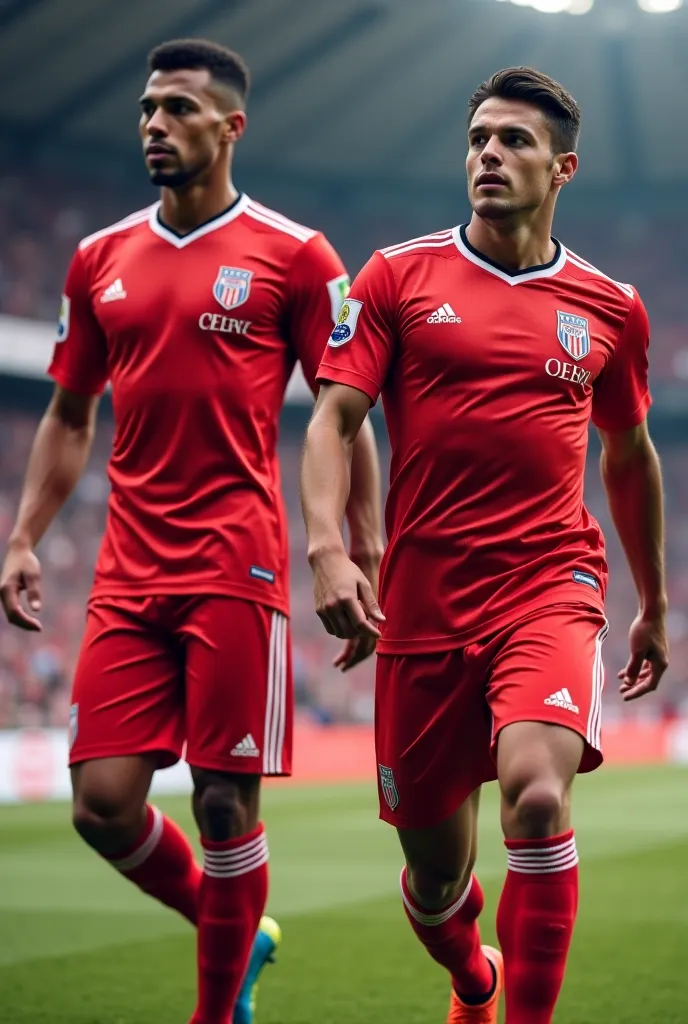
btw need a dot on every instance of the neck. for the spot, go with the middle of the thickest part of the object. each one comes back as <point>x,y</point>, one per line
<point>185,209</point>
<point>515,245</point>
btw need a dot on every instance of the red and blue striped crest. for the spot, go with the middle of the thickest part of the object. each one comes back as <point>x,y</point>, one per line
<point>573,334</point>
<point>232,286</point>
<point>389,787</point>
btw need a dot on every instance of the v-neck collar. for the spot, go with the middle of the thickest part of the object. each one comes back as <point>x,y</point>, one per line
<point>511,277</point>
<point>214,224</point>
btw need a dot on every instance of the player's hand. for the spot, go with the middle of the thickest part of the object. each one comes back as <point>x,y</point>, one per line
<point>354,651</point>
<point>360,647</point>
<point>21,572</point>
<point>344,599</point>
<point>649,657</point>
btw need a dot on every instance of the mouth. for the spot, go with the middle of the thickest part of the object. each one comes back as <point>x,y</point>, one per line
<point>490,181</point>
<point>156,153</point>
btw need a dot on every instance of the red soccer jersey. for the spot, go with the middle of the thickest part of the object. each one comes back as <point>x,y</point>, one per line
<point>489,380</point>
<point>198,336</point>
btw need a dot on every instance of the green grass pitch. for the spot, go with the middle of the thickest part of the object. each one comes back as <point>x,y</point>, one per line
<point>78,945</point>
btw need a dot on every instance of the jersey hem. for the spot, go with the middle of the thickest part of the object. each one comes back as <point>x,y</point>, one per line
<point>71,384</point>
<point>451,641</point>
<point>163,588</point>
<point>328,374</point>
<point>633,420</point>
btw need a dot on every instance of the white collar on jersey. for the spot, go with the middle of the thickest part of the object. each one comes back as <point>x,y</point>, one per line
<point>181,241</point>
<point>521,276</point>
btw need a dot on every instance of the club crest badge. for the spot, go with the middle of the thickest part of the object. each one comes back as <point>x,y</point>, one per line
<point>389,787</point>
<point>573,334</point>
<point>232,286</point>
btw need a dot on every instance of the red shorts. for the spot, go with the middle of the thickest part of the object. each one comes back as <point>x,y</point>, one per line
<point>438,716</point>
<point>213,673</point>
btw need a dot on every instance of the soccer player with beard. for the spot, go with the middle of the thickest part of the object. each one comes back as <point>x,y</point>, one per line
<point>196,311</point>
<point>493,347</point>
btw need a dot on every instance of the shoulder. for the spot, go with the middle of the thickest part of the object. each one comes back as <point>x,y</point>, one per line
<point>134,222</point>
<point>269,222</point>
<point>619,296</point>
<point>439,243</point>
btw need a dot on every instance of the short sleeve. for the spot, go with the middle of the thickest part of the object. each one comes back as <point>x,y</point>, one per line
<point>621,395</point>
<point>361,346</point>
<point>79,360</point>
<point>317,286</point>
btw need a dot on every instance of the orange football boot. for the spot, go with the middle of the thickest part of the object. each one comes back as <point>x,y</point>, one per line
<point>485,1013</point>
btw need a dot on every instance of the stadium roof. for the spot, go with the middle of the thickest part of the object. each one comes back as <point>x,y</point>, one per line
<point>355,89</point>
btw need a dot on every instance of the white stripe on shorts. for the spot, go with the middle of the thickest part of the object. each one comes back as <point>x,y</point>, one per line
<point>276,705</point>
<point>594,733</point>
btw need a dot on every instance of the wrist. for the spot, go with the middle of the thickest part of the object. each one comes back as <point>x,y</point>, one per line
<point>367,554</point>
<point>322,550</point>
<point>655,607</point>
<point>19,540</point>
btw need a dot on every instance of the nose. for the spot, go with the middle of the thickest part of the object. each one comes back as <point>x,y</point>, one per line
<point>156,125</point>
<point>491,152</point>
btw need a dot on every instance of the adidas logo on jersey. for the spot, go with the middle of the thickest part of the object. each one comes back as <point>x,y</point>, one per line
<point>562,699</point>
<point>444,315</point>
<point>247,747</point>
<point>114,291</point>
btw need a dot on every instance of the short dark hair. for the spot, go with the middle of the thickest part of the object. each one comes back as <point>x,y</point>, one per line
<point>224,65</point>
<point>559,107</point>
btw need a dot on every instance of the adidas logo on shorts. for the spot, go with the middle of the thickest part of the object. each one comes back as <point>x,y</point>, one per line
<point>562,699</point>
<point>247,747</point>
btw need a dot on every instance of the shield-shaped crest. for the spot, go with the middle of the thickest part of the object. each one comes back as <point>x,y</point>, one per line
<point>232,286</point>
<point>573,334</point>
<point>389,787</point>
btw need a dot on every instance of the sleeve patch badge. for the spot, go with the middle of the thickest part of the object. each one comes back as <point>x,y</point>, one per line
<point>346,323</point>
<point>338,289</point>
<point>63,320</point>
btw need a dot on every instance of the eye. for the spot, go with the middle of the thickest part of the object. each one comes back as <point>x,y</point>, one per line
<point>180,107</point>
<point>147,109</point>
<point>477,140</point>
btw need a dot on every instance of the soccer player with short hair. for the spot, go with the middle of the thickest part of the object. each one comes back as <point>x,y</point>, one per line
<point>493,347</point>
<point>196,311</point>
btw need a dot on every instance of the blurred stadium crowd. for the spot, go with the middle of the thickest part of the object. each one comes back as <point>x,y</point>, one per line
<point>40,224</point>
<point>42,220</point>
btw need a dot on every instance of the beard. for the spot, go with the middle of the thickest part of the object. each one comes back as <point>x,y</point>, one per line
<point>177,179</point>
<point>496,209</point>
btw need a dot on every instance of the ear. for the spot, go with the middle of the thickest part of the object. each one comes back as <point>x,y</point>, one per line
<point>234,126</point>
<point>565,166</point>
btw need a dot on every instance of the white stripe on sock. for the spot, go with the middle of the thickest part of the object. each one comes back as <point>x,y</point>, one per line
<point>135,859</point>
<point>437,917</point>
<point>246,859</point>
<point>238,853</point>
<point>544,861</point>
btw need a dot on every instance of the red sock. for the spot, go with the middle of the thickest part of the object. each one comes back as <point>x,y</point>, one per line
<point>234,892</point>
<point>162,864</point>
<point>452,938</point>
<point>535,922</point>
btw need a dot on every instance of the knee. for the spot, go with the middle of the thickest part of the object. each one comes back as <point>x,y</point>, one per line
<point>105,820</point>
<point>223,810</point>
<point>436,886</point>
<point>535,809</point>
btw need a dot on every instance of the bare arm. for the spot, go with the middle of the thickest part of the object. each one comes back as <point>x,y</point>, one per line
<point>345,600</point>
<point>633,481</point>
<point>363,510</point>
<point>58,456</point>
